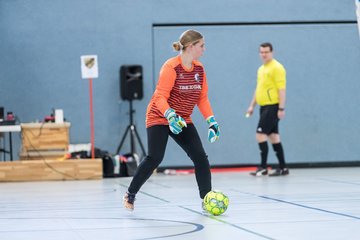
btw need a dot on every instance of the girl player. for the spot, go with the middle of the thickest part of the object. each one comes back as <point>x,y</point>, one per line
<point>182,85</point>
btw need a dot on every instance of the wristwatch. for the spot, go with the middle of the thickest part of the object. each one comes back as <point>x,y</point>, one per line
<point>281,109</point>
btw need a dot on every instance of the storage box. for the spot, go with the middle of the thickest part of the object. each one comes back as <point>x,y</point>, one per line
<point>45,136</point>
<point>44,140</point>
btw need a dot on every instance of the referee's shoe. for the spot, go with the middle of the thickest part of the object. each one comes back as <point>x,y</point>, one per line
<point>279,172</point>
<point>260,171</point>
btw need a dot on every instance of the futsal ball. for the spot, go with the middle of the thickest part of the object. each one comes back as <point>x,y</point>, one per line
<point>216,202</point>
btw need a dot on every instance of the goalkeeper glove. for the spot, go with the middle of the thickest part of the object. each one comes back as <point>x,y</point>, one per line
<point>214,130</point>
<point>176,123</point>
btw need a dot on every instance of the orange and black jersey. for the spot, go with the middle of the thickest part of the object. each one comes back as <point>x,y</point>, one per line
<point>180,89</point>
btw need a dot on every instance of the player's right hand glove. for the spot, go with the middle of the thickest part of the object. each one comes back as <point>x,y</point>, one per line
<point>214,130</point>
<point>176,123</point>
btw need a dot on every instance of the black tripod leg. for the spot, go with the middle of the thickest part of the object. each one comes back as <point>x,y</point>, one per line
<point>133,134</point>
<point>123,139</point>
<point>139,140</point>
<point>132,139</point>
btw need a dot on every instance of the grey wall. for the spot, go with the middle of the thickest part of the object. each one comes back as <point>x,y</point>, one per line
<point>42,41</point>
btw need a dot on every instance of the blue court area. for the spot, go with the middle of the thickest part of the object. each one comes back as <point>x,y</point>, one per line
<point>307,204</point>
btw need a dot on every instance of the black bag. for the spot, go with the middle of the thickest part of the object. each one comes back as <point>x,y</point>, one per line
<point>128,164</point>
<point>110,167</point>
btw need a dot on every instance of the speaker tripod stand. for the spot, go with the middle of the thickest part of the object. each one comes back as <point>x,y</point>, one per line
<point>133,134</point>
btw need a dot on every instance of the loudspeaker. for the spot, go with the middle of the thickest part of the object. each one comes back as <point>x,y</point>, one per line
<point>1,113</point>
<point>131,82</point>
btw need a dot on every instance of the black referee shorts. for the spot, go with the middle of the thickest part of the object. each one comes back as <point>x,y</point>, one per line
<point>269,121</point>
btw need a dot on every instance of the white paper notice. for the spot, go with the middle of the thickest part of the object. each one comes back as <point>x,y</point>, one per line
<point>89,66</point>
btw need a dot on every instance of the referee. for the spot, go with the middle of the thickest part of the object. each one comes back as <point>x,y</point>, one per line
<point>270,95</point>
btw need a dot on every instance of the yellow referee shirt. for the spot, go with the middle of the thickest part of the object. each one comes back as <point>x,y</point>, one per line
<point>271,77</point>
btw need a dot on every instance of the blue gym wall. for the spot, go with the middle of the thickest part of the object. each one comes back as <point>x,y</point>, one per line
<point>41,43</point>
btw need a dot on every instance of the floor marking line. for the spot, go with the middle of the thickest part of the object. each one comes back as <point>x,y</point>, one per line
<point>299,205</point>
<point>198,227</point>
<point>212,217</point>
<point>227,223</point>
<point>313,208</point>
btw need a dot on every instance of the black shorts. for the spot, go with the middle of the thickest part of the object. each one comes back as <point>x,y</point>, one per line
<point>269,121</point>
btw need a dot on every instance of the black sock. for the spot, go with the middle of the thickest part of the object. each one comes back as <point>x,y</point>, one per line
<point>264,149</point>
<point>280,154</point>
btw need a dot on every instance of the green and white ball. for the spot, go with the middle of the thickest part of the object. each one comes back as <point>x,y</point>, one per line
<point>216,202</point>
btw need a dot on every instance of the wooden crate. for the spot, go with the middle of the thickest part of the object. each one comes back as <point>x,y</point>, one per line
<point>43,154</point>
<point>45,136</point>
<point>44,170</point>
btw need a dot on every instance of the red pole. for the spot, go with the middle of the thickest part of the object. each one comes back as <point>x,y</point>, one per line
<point>92,135</point>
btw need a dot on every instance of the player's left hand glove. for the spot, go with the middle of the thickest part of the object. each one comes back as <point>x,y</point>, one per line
<point>214,130</point>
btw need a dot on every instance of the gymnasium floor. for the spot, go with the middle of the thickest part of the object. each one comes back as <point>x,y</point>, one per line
<point>307,204</point>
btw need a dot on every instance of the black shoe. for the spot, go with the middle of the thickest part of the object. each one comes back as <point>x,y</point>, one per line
<point>128,201</point>
<point>279,172</point>
<point>259,172</point>
<point>203,208</point>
